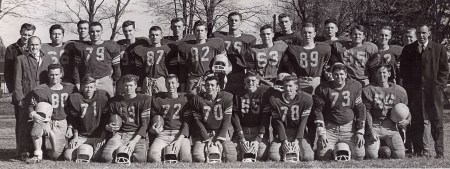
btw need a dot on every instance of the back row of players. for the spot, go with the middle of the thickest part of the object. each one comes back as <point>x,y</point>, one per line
<point>239,99</point>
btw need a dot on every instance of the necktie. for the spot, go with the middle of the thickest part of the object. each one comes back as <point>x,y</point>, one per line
<point>420,48</point>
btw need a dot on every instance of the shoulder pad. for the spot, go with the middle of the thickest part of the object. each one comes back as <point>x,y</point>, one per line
<point>247,38</point>
<point>215,42</point>
<point>281,45</point>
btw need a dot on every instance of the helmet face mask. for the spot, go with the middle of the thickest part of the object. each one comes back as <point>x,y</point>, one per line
<point>342,152</point>
<point>170,157</point>
<point>221,64</point>
<point>213,153</point>
<point>84,153</point>
<point>45,110</point>
<point>251,153</point>
<point>122,156</point>
<point>293,154</point>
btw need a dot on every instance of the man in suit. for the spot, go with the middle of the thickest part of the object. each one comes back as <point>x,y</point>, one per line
<point>424,68</point>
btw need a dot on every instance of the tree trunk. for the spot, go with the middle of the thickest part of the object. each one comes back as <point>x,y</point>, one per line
<point>116,20</point>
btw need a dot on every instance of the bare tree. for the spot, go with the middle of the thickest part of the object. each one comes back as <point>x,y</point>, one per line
<point>117,10</point>
<point>12,7</point>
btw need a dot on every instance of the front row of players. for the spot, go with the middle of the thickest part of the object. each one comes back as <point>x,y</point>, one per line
<point>221,126</point>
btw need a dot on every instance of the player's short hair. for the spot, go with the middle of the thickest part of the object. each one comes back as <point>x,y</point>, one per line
<point>383,65</point>
<point>252,73</point>
<point>171,76</point>
<point>360,28</point>
<point>337,67</point>
<point>234,14</point>
<point>389,28</point>
<point>34,37</point>
<point>309,25</point>
<point>81,22</point>
<point>330,21</point>
<point>54,67</point>
<point>410,30</point>
<point>267,26</point>
<point>56,26</point>
<point>212,77</point>
<point>284,15</point>
<point>27,27</point>
<point>175,20</point>
<point>155,28</point>
<point>130,78</point>
<point>87,79</point>
<point>92,24</point>
<point>199,23</point>
<point>128,23</point>
<point>290,78</point>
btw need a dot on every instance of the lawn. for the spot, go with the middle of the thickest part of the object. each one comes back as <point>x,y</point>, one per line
<point>7,146</point>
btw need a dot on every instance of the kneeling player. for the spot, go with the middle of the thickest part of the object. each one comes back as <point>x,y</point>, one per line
<point>379,99</point>
<point>211,112</point>
<point>171,107</point>
<point>87,119</point>
<point>290,110</point>
<point>134,111</point>
<point>250,120</point>
<point>53,126</point>
<point>336,105</point>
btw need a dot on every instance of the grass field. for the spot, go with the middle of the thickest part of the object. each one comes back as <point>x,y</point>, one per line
<point>7,146</point>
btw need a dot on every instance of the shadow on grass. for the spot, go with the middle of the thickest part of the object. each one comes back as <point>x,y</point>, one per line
<point>7,154</point>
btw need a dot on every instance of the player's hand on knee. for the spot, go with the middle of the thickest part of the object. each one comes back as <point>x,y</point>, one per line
<point>69,132</point>
<point>244,145</point>
<point>73,143</point>
<point>130,146</point>
<point>36,118</point>
<point>285,146</point>
<point>360,140</point>
<point>176,145</point>
<point>402,124</point>
<point>373,137</point>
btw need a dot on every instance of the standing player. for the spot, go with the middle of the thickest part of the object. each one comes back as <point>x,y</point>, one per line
<point>171,106</point>
<point>237,44</point>
<point>198,55</point>
<point>249,119</point>
<point>211,112</point>
<point>55,49</point>
<point>390,53</point>
<point>100,59</point>
<point>87,119</point>
<point>265,58</point>
<point>409,36</point>
<point>340,114</point>
<point>54,128</point>
<point>134,111</point>
<point>83,31</point>
<point>290,110</point>
<point>287,34</point>
<point>150,63</point>
<point>380,98</point>
<point>360,57</point>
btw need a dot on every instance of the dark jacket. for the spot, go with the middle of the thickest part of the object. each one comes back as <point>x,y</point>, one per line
<point>11,53</point>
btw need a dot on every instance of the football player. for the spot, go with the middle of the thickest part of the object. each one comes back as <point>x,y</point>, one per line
<point>55,49</point>
<point>83,30</point>
<point>331,29</point>
<point>380,98</point>
<point>287,34</point>
<point>265,58</point>
<point>237,44</point>
<point>390,53</point>
<point>211,112</point>
<point>171,105</point>
<point>340,114</point>
<point>87,118</point>
<point>249,118</point>
<point>67,57</point>
<point>98,58</point>
<point>134,110</point>
<point>360,57</point>
<point>150,63</point>
<point>54,128</point>
<point>197,56</point>
<point>409,36</point>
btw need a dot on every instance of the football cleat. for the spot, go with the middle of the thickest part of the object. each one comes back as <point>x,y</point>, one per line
<point>84,153</point>
<point>251,153</point>
<point>293,153</point>
<point>44,110</point>
<point>399,112</point>
<point>170,157</point>
<point>122,156</point>
<point>342,152</point>
<point>221,64</point>
<point>213,152</point>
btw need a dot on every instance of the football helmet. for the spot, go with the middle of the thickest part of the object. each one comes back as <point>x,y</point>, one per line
<point>170,156</point>
<point>213,151</point>
<point>293,153</point>
<point>122,156</point>
<point>44,110</point>
<point>84,153</point>
<point>221,64</point>
<point>399,112</point>
<point>342,152</point>
<point>384,152</point>
<point>251,153</point>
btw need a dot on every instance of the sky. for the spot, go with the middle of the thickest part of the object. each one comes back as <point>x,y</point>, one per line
<point>10,26</point>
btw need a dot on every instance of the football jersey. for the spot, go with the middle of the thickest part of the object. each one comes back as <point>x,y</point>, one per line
<point>57,98</point>
<point>294,38</point>
<point>212,115</point>
<point>266,61</point>
<point>174,58</point>
<point>151,61</point>
<point>55,53</point>
<point>67,60</point>
<point>290,115</point>
<point>306,62</point>
<point>337,106</point>
<point>379,101</point>
<point>172,110</point>
<point>88,116</point>
<point>392,57</point>
<point>97,60</point>
<point>248,109</point>
<point>135,113</point>
<point>358,60</point>
<point>236,48</point>
<point>127,54</point>
<point>199,57</point>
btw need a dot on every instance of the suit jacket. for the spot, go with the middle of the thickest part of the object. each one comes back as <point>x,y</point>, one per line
<point>424,78</point>
<point>11,53</point>
<point>27,75</point>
